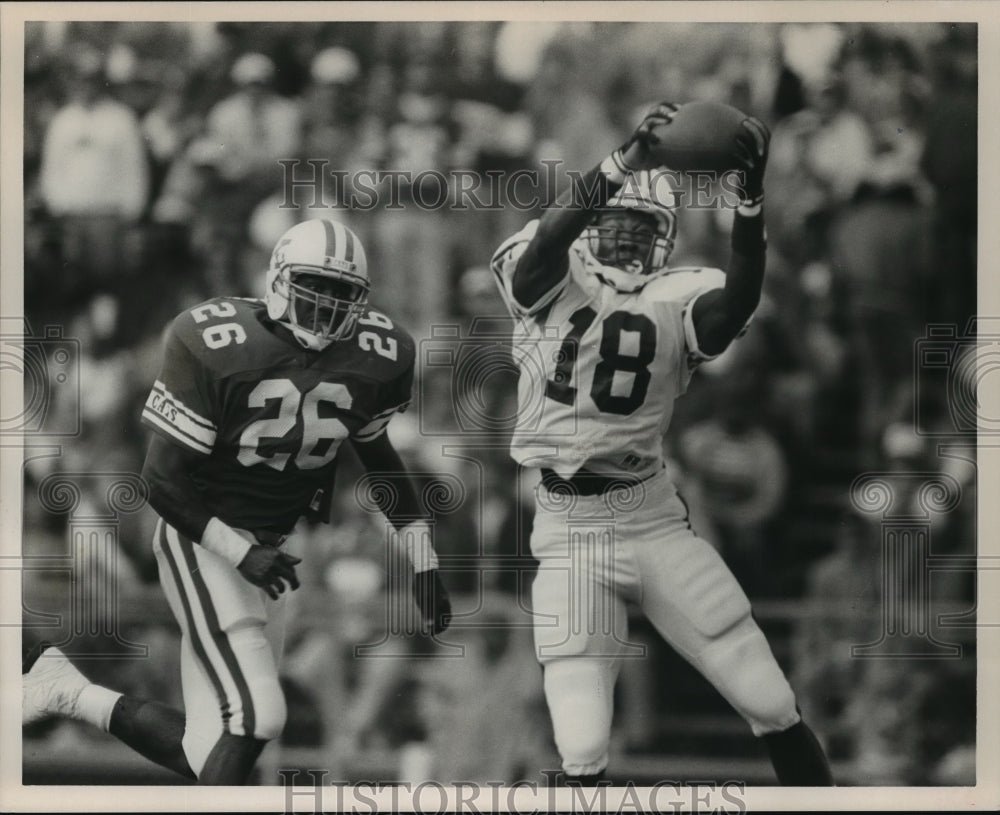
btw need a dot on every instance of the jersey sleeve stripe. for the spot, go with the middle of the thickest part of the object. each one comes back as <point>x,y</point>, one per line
<point>377,426</point>
<point>161,390</point>
<point>507,246</point>
<point>370,431</point>
<point>372,436</point>
<point>388,412</point>
<point>171,412</point>
<point>157,422</point>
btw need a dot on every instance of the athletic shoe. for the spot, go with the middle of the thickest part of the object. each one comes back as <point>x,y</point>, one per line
<point>50,685</point>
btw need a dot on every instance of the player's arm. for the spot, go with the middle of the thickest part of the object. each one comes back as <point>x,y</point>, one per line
<point>172,492</point>
<point>400,505</point>
<point>177,499</point>
<point>404,511</point>
<point>545,261</point>
<point>719,315</point>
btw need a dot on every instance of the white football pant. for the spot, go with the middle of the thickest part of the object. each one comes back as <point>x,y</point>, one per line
<point>596,552</point>
<point>232,636</point>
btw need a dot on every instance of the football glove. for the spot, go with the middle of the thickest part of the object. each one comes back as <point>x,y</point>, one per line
<point>270,569</point>
<point>432,600</point>
<point>635,154</point>
<point>751,159</point>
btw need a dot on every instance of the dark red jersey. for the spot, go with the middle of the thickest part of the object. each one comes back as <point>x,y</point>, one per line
<point>268,416</point>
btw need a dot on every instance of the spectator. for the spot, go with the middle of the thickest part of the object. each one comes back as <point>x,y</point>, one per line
<point>742,479</point>
<point>332,107</point>
<point>254,126</point>
<point>413,231</point>
<point>169,124</point>
<point>950,162</point>
<point>495,135</point>
<point>94,178</point>
<point>337,130</point>
<point>841,611</point>
<point>482,712</point>
<point>247,133</point>
<point>819,157</point>
<point>93,161</point>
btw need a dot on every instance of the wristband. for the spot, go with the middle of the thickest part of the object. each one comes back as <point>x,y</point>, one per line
<point>220,538</point>
<point>415,538</point>
<point>752,206</point>
<point>615,168</point>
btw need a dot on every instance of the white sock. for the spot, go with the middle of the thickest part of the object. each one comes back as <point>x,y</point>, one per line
<point>95,704</point>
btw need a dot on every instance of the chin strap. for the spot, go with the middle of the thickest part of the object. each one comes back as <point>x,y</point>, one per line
<point>301,338</point>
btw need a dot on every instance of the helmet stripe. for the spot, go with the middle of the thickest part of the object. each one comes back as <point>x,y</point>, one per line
<point>331,238</point>
<point>349,245</point>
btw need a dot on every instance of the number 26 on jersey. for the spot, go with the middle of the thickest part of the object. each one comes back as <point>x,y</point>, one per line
<point>219,335</point>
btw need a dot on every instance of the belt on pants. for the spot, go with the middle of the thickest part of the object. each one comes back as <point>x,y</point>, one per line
<point>587,483</point>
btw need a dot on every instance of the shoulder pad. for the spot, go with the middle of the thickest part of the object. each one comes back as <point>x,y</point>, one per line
<point>684,282</point>
<point>193,320</point>
<point>518,240</point>
<point>223,332</point>
<point>380,349</point>
<point>400,334</point>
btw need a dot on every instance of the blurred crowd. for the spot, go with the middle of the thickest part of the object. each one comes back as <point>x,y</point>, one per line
<point>152,182</point>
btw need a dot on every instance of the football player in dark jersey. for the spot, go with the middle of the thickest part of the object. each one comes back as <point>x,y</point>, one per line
<point>253,401</point>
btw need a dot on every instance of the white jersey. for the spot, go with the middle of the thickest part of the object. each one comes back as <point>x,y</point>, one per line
<point>600,368</point>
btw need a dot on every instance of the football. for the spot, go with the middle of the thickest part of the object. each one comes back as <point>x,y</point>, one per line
<point>701,136</point>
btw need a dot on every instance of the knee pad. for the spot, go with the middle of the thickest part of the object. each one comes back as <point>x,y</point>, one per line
<point>580,695</point>
<point>742,667</point>
<point>270,710</point>
<point>257,710</point>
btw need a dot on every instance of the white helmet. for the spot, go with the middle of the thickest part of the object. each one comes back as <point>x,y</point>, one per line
<point>298,288</point>
<point>641,192</point>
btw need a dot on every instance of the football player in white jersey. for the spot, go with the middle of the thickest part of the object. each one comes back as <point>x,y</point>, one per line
<point>616,336</point>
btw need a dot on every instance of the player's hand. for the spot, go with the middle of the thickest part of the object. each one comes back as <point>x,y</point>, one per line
<point>270,569</point>
<point>751,157</point>
<point>636,152</point>
<point>432,600</point>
